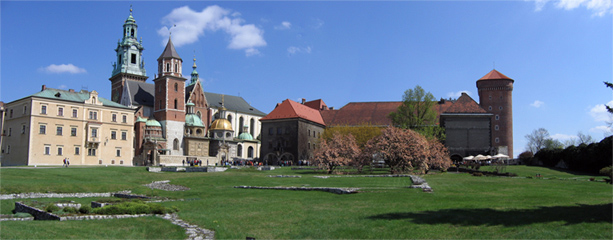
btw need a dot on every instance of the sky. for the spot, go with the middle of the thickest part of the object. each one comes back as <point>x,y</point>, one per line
<point>558,52</point>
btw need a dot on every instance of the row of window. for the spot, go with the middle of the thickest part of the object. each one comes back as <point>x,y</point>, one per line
<point>73,132</point>
<point>93,115</point>
<point>239,151</point>
<point>77,150</point>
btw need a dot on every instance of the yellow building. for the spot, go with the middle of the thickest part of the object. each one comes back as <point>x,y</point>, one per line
<point>47,127</point>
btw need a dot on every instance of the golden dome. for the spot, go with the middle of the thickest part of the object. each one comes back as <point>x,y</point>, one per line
<point>221,124</point>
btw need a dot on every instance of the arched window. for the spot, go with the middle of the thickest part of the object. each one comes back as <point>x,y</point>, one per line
<point>175,144</point>
<point>175,103</point>
<point>167,67</point>
<point>229,118</point>
<point>199,114</point>
<point>176,87</point>
<point>132,33</point>
<point>176,68</point>
<point>252,127</point>
<point>241,125</point>
<point>250,152</point>
<point>239,150</point>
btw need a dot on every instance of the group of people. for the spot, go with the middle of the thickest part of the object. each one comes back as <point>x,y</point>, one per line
<point>192,163</point>
<point>66,162</point>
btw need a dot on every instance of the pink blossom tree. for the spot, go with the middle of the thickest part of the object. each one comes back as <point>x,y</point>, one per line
<point>340,150</point>
<point>401,149</point>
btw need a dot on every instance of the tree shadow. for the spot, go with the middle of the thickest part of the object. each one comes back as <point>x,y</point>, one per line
<point>515,217</point>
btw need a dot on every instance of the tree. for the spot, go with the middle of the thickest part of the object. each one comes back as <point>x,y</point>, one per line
<point>584,139</point>
<point>341,150</point>
<point>536,140</point>
<point>437,157</point>
<point>609,85</point>
<point>362,134</point>
<point>418,113</point>
<point>551,143</point>
<point>401,149</point>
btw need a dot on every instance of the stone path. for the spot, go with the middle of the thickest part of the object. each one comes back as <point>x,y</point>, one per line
<point>193,231</point>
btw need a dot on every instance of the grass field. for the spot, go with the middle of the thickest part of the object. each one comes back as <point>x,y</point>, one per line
<point>563,205</point>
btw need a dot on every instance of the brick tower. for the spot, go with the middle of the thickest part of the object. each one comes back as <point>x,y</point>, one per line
<point>169,105</point>
<point>496,97</point>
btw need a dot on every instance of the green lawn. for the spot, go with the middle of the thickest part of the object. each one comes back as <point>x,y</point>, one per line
<point>566,205</point>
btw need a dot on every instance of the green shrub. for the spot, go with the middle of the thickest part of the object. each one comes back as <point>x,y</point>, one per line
<point>607,171</point>
<point>51,207</point>
<point>477,174</point>
<point>70,210</point>
<point>85,209</point>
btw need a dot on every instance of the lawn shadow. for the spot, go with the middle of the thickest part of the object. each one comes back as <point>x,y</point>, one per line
<point>517,217</point>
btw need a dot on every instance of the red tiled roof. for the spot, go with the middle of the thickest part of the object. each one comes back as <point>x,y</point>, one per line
<point>317,104</point>
<point>290,109</point>
<point>373,113</point>
<point>494,75</point>
<point>465,104</point>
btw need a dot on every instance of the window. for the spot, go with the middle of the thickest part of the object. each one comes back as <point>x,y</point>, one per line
<point>176,68</point>
<point>500,108</point>
<point>91,152</point>
<point>114,117</point>
<point>43,129</point>
<point>175,103</point>
<point>497,140</point>
<point>496,127</point>
<point>11,113</point>
<point>47,150</point>
<point>250,152</point>
<point>279,131</point>
<point>113,135</point>
<point>73,131</point>
<point>124,119</point>
<point>43,109</point>
<point>94,132</point>
<point>252,127</point>
<point>309,145</point>
<point>93,115</point>
<point>59,131</point>
<point>133,56</point>
<point>132,34</point>
<point>77,150</point>
<point>60,150</point>
<point>121,162</point>
<point>270,131</point>
<point>497,117</point>
<point>124,135</point>
<point>118,151</point>
<point>60,111</point>
<point>176,87</point>
<point>490,108</point>
<point>23,129</point>
<point>167,67</point>
<point>230,118</point>
<point>239,151</point>
<point>309,132</point>
<point>175,144</point>
<point>75,113</point>
<point>112,161</point>
<point>25,110</point>
<point>10,131</point>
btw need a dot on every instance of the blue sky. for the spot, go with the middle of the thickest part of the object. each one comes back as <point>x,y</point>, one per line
<point>558,52</point>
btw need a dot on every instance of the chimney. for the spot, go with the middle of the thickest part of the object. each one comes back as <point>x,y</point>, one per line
<point>71,90</point>
<point>44,87</point>
<point>303,101</point>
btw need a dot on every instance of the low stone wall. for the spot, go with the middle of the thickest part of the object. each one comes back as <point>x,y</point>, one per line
<point>63,205</point>
<point>99,217</point>
<point>17,219</point>
<point>325,189</point>
<point>266,168</point>
<point>37,213</point>
<point>285,176</point>
<point>124,195</point>
<point>53,195</point>
<point>186,169</point>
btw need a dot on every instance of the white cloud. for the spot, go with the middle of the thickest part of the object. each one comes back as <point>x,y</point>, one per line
<point>284,26</point>
<point>599,7</point>
<point>62,68</point>
<point>605,130</point>
<point>537,104</point>
<point>295,50</point>
<point>457,94</point>
<point>63,86</point>
<point>189,25</point>
<point>599,112</point>
<point>317,23</point>
<point>562,137</point>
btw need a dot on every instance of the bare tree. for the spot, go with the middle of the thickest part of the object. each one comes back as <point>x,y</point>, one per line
<point>537,140</point>
<point>584,139</point>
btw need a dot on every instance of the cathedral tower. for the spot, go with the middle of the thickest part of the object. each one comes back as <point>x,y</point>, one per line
<point>169,105</point>
<point>130,64</point>
<point>495,96</point>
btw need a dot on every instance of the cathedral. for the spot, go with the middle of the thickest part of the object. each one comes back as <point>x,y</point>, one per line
<point>176,121</point>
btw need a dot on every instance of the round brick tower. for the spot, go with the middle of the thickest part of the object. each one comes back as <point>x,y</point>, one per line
<point>496,97</point>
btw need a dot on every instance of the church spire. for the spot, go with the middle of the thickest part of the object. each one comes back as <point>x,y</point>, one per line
<point>129,64</point>
<point>194,73</point>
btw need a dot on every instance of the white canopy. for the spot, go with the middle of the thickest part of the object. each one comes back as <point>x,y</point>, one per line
<point>480,157</point>
<point>469,158</point>
<point>500,155</point>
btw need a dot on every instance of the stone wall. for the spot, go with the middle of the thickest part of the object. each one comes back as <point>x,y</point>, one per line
<point>325,189</point>
<point>37,213</point>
